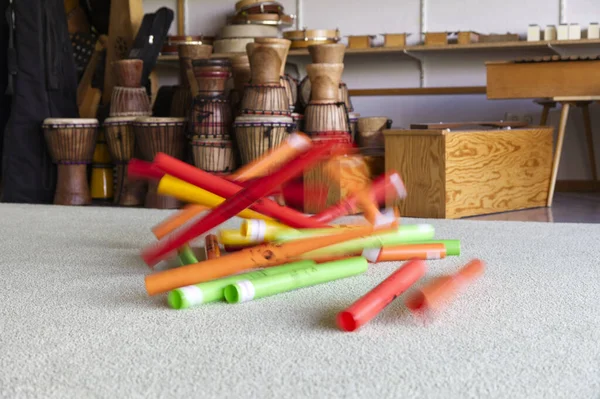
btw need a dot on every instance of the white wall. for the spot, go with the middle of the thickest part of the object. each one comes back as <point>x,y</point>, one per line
<point>355,17</point>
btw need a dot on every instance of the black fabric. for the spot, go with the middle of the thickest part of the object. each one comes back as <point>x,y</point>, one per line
<point>149,40</point>
<point>45,86</point>
<point>5,99</point>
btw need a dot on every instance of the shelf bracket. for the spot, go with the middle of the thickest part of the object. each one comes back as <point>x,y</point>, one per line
<point>420,65</point>
<point>557,50</point>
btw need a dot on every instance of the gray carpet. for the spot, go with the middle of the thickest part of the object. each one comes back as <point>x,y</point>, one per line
<point>75,321</point>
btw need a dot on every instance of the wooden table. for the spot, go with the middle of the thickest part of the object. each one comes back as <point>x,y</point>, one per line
<point>567,81</point>
<point>582,102</point>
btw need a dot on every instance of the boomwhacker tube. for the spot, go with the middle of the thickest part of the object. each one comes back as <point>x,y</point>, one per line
<point>212,291</point>
<point>405,252</point>
<point>259,256</point>
<point>186,256</point>
<point>291,147</point>
<point>211,247</point>
<point>248,290</point>
<point>226,189</point>
<point>234,205</point>
<point>374,301</point>
<point>404,234</point>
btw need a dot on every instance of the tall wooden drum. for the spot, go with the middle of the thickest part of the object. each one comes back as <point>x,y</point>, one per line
<point>154,135</point>
<point>71,143</point>
<point>120,137</point>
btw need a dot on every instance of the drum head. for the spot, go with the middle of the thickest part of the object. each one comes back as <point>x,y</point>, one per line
<point>119,120</point>
<point>66,122</point>
<point>263,119</point>
<point>155,120</point>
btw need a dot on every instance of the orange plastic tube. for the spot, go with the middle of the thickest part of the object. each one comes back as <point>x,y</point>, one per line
<point>295,144</point>
<point>405,252</point>
<point>263,255</point>
<point>373,302</point>
<point>435,294</point>
<point>211,247</point>
<point>178,219</point>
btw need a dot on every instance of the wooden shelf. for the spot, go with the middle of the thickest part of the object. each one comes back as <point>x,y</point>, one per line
<point>524,45</point>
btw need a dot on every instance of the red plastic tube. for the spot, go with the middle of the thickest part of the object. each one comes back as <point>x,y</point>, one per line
<point>138,169</point>
<point>227,189</point>
<point>233,205</point>
<point>382,187</point>
<point>373,302</point>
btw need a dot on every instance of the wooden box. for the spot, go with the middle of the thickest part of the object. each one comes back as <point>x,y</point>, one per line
<point>394,40</point>
<point>436,38</point>
<point>467,37</point>
<point>459,173</point>
<point>511,80</point>
<point>360,41</point>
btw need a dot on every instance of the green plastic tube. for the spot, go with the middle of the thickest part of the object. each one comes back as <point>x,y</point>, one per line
<point>186,256</point>
<point>452,246</point>
<point>212,291</point>
<point>246,290</point>
<point>404,234</point>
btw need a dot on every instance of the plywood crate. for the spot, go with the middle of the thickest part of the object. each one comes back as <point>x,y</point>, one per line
<point>360,42</point>
<point>436,38</point>
<point>458,173</point>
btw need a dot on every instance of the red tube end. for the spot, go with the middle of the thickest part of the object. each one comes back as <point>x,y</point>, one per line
<point>346,322</point>
<point>138,169</point>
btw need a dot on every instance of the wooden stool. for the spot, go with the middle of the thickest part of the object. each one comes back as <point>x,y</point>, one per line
<point>566,102</point>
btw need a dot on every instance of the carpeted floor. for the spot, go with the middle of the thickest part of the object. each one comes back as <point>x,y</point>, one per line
<point>75,321</point>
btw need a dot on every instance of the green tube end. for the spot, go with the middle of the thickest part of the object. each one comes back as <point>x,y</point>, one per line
<point>232,294</point>
<point>452,247</point>
<point>176,300</point>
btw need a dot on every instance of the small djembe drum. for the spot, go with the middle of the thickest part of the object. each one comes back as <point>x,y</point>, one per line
<point>182,99</point>
<point>120,137</point>
<point>214,155</point>
<point>258,134</point>
<point>128,97</point>
<point>71,143</point>
<point>332,53</point>
<point>290,85</point>
<point>212,76</point>
<point>325,114</point>
<point>166,135</point>
<point>265,93</point>
<point>211,118</point>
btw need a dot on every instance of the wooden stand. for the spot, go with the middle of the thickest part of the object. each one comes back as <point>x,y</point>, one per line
<point>566,103</point>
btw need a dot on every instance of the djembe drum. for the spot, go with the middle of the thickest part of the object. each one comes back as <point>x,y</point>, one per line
<point>182,99</point>
<point>257,134</point>
<point>265,94</point>
<point>212,76</point>
<point>290,85</point>
<point>120,137</point>
<point>214,155</point>
<point>211,118</point>
<point>71,143</point>
<point>128,97</point>
<point>166,135</point>
<point>325,114</point>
